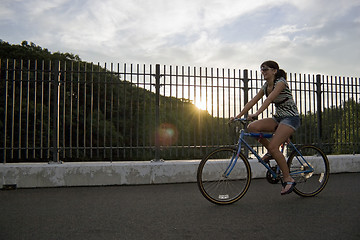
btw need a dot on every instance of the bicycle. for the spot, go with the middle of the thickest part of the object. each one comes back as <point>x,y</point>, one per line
<point>224,175</point>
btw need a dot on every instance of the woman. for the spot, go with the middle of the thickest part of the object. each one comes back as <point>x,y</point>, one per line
<point>284,123</point>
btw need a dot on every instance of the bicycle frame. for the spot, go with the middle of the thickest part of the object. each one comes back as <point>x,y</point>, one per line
<point>241,141</point>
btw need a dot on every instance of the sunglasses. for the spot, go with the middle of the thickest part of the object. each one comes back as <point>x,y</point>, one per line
<point>264,69</point>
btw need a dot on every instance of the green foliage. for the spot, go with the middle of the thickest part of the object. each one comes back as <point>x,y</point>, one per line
<point>101,116</point>
<point>340,129</point>
<point>32,51</point>
<point>346,129</point>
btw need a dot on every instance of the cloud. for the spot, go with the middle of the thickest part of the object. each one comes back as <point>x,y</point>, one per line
<point>302,35</point>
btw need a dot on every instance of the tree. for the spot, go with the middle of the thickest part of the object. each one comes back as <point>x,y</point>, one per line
<point>347,130</point>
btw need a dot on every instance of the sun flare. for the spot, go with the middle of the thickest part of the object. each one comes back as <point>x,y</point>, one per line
<point>201,104</point>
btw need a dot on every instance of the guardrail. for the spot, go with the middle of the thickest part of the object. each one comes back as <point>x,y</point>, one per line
<point>34,175</point>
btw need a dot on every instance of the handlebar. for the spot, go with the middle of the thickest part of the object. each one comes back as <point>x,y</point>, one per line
<point>243,120</point>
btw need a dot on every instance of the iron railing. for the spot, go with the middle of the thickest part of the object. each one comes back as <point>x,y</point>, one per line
<point>77,111</point>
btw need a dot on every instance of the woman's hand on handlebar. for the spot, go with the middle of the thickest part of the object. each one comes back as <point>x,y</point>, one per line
<point>232,119</point>
<point>252,117</point>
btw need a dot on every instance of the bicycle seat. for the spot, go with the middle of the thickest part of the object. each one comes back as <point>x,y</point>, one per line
<point>261,135</point>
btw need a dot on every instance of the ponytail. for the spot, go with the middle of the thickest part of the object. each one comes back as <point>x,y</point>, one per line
<point>280,73</point>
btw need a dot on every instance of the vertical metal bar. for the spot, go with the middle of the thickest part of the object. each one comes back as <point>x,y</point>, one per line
<point>56,109</point>
<point>333,109</point>
<point>131,111</point>
<point>91,110</point>
<point>49,81</point>
<point>234,99</point>
<point>124,111</point>
<point>228,93</point>
<point>20,108</point>
<point>84,110</point>
<point>118,113</point>
<point>170,96</point>
<point>27,111</point>
<point>342,125</point>
<point>239,93</point>
<point>201,126</point>
<point>212,104</point>
<point>246,87</point>
<point>182,108</point>
<point>246,99</point>
<point>13,110</point>
<point>337,109</point>
<point>177,102</point>
<point>137,108</point>
<point>71,108</point>
<point>157,110</point>
<point>189,97</point>
<point>307,88</point>
<point>112,82</point>
<point>300,98</point>
<point>349,105</point>
<point>206,104</point>
<point>35,106</point>
<point>42,110</point>
<point>356,127</point>
<point>151,132</point>
<point>78,111</point>
<point>352,120</point>
<point>325,105</point>
<point>196,129</point>
<point>105,110</point>
<point>217,106</point>
<point>144,112</point>
<point>223,103</point>
<point>319,110</point>
<point>6,107</point>
<point>64,111</point>
<point>98,111</point>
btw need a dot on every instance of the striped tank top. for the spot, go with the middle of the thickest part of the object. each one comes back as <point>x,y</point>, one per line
<point>284,103</point>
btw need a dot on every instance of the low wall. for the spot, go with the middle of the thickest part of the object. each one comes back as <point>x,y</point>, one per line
<point>33,175</point>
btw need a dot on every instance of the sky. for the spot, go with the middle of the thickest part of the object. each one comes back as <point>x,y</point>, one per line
<point>303,36</point>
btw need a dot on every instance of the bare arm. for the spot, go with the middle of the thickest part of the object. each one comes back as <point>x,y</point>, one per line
<point>250,104</point>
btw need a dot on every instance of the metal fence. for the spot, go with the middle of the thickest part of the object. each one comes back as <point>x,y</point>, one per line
<point>77,111</point>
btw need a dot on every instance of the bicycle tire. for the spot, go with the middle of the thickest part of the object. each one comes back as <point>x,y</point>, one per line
<point>212,182</point>
<point>309,184</point>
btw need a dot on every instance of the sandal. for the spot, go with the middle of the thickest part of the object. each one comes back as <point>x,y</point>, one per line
<point>267,157</point>
<point>290,189</point>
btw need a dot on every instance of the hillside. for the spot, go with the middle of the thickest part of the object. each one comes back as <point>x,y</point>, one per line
<point>97,108</point>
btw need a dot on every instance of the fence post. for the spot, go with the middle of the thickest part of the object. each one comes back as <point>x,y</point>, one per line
<point>246,99</point>
<point>319,111</point>
<point>157,111</point>
<point>56,109</point>
<point>246,87</point>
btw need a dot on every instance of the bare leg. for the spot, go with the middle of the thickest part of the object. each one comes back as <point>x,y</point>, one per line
<point>283,132</point>
<point>264,125</point>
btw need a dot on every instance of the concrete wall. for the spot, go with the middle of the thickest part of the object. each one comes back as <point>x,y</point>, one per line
<point>34,175</point>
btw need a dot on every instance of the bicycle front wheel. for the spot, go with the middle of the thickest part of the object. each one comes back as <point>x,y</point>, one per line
<point>222,177</point>
<point>310,169</point>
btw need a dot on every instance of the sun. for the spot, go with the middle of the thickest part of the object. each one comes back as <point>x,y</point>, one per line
<point>201,104</point>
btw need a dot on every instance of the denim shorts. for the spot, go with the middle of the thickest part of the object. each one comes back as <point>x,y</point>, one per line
<point>292,121</point>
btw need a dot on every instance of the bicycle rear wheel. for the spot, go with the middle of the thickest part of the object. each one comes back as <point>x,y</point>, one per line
<point>310,169</point>
<point>222,178</point>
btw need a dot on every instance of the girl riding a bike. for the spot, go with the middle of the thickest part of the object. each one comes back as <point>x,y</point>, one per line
<point>284,123</point>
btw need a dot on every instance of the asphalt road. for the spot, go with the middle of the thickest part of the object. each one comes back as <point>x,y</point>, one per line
<point>178,211</point>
